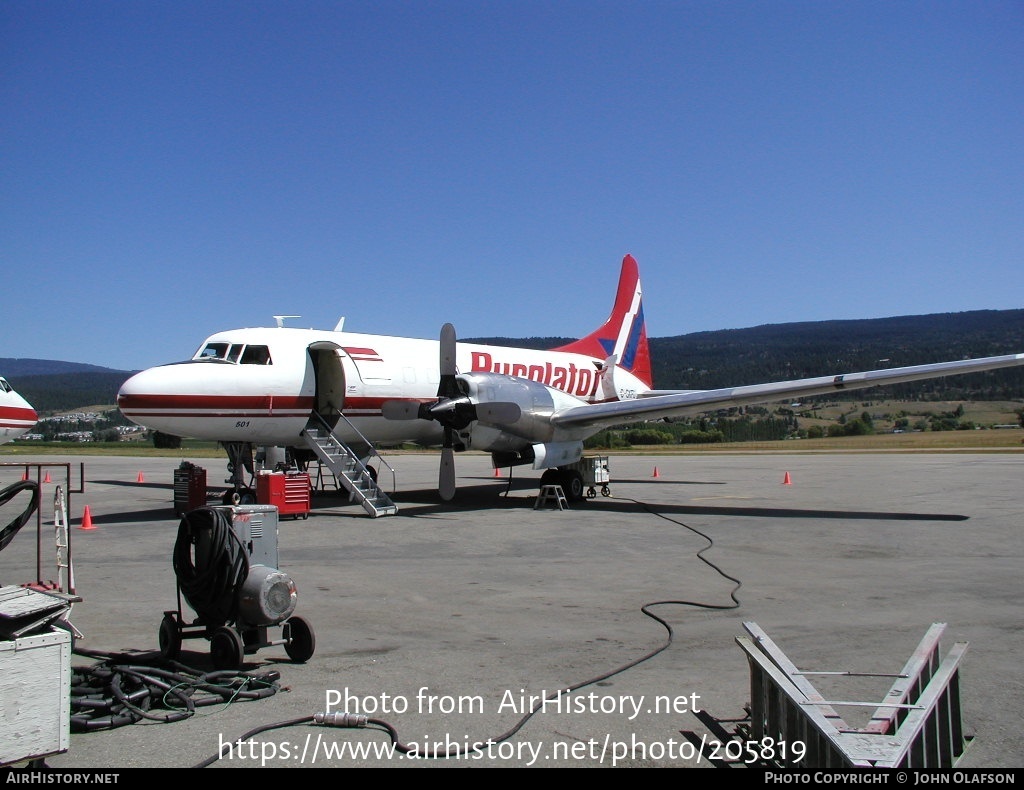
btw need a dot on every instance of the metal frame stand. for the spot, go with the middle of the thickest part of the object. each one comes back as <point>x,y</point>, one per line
<point>917,725</point>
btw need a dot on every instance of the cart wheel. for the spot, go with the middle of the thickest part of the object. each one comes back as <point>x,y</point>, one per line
<point>606,491</point>
<point>301,640</point>
<point>226,648</point>
<point>591,492</point>
<point>170,638</point>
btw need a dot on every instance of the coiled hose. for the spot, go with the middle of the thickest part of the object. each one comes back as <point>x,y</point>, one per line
<point>211,564</point>
<point>123,689</point>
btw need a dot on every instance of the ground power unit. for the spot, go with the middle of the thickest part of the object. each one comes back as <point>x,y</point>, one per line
<point>226,567</point>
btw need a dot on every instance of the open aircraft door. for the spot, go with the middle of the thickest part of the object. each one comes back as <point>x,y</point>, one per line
<point>332,367</point>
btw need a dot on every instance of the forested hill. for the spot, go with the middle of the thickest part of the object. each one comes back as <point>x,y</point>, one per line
<point>706,360</point>
<point>777,352</point>
<point>701,360</point>
<point>54,386</point>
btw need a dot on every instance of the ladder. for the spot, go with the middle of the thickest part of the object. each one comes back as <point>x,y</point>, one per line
<point>353,475</point>
<point>549,494</point>
<point>65,574</point>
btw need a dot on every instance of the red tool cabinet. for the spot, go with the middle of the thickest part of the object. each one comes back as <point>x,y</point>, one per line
<point>287,490</point>
<point>189,488</point>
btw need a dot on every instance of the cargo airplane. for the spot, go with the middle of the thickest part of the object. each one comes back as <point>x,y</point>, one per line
<point>267,387</point>
<point>16,416</point>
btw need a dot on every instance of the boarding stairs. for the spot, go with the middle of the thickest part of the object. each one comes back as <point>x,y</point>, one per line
<point>348,469</point>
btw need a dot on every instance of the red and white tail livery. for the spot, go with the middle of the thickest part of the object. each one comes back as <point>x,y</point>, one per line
<point>257,387</point>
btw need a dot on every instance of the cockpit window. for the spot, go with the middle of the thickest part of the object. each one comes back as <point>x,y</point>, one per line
<point>256,355</point>
<point>214,351</point>
<point>236,353</point>
<point>4,385</point>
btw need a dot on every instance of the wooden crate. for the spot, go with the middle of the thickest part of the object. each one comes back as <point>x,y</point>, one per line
<point>35,696</point>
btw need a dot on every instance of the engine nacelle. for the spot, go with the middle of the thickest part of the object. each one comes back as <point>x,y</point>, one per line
<point>536,401</point>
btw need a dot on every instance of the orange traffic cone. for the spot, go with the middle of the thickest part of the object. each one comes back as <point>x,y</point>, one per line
<point>24,476</point>
<point>497,472</point>
<point>786,481</point>
<point>87,519</point>
<point>656,473</point>
<point>47,478</point>
<point>140,478</point>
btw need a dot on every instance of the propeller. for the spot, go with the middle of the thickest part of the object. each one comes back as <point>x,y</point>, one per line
<point>453,409</point>
<point>449,406</point>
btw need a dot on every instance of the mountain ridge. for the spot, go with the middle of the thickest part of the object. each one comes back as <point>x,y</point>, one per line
<point>699,360</point>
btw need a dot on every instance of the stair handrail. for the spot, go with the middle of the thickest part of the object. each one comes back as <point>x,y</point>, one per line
<point>367,442</point>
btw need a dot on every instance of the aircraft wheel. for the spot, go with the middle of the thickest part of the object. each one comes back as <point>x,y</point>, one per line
<point>572,485</point>
<point>170,638</point>
<point>301,640</point>
<point>226,648</point>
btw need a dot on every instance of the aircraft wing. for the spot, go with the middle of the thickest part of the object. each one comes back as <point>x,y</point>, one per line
<point>679,404</point>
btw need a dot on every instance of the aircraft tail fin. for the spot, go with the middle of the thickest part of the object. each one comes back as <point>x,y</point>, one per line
<point>624,334</point>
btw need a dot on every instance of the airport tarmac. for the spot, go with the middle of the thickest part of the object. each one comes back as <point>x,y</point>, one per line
<point>444,619</point>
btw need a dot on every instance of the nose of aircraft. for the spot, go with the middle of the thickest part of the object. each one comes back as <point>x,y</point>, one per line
<point>134,386</point>
<point>17,417</point>
<point>25,410</point>
<point>145,391</point>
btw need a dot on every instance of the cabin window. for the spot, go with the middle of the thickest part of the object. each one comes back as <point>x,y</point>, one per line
<point>4,385</point>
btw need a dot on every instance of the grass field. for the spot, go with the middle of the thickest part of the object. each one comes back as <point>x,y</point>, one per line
<point>991,440</point>
<point>883,413</point>
<point>1008,440</point>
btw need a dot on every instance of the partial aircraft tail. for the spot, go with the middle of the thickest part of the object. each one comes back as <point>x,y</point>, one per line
<point>623,335</point>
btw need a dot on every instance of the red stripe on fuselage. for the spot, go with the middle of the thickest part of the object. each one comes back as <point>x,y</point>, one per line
<point>363,354</point>
<point>213,401</point>
<point>232,405</point>
<point>214,405</point>
<point>18,413</point>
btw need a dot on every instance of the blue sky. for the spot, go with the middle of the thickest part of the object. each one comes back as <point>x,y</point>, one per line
<point>170,169</point>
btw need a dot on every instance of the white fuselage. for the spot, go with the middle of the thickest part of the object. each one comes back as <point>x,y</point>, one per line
<point>262,385</point>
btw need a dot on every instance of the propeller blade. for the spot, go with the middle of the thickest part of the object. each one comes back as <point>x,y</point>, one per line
<point>498,412</point>
<point>448,386</point>
<point>447,350</point>
<point>446,474</point>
